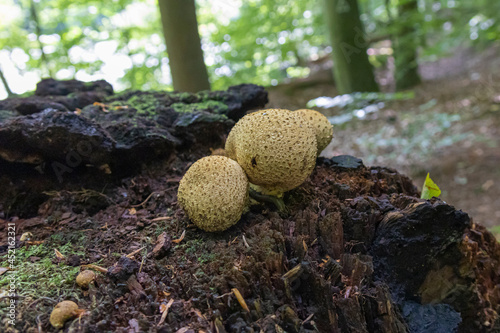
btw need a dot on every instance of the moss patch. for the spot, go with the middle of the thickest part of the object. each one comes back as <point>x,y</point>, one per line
<point>212,106</point>
<point>37,272</point>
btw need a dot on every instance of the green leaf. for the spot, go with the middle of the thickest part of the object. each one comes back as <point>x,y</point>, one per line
<point>430,189</point>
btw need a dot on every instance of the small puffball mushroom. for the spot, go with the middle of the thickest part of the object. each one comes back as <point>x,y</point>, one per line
<point>321,125</point>
<point>214,193</point>
<point>85,278</point>
<point>62,312</point>
<point>276,148</point>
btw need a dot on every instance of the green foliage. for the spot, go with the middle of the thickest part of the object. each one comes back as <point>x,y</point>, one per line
<point>259,41</point>
<point>76,38</point>
<point>267,42</point>
<point>430,189</point>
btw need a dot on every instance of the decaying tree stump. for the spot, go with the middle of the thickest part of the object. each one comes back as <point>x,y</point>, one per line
<point>357,250</point>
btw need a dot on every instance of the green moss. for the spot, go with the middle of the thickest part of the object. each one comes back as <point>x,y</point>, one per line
<point>205,258</point>
<point>192,246</point>
<point>43,277</point>
<point>210,105</point>
<point>6,114</point>
<point>145,104</point>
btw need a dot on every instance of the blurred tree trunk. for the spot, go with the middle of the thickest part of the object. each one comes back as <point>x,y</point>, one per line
<point>351,69</point>
<point>185,55</point>
<point>405,45</point>
<point>5,84</point>
<point>38,32</point>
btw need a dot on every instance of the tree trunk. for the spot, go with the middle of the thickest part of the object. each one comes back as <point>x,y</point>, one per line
<point>352,70</point>
<point>38,31</point>
<point>5,84</point>
<point>405,46</point>
<point>180,29</point>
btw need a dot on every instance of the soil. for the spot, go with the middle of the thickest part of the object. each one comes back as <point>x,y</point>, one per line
<point>356,250</point>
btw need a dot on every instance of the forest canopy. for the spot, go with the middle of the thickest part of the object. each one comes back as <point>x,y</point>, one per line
<point>264,42</point>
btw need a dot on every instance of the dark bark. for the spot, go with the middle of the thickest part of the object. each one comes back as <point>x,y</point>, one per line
<point>352,70</point>
<point>185,55</point>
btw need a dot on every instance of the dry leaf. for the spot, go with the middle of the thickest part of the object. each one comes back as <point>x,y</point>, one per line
<point>34,242</point>
<point>240,299</point>
<point>26,236</point>
<point>59,255</point>
<point>164,311</point>
<point>181,238</point>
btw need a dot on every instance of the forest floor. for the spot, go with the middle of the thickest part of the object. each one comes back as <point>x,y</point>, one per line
<point>451,129</point>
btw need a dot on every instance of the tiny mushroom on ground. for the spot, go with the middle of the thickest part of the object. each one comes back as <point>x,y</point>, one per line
<point>85,278</point>
<point>62,312</point>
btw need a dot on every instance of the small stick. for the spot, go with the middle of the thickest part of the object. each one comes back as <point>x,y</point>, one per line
<point>240,299</point>
<point>95,267</point>
<point>165,311</point>
<point>163,218</point>
<point>245,241</point>
<point>131,254</point>
<point>142,203</point>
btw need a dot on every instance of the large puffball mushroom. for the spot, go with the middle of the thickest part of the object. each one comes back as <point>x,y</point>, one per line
<point>275,147</point>
<point>321,125</point>
<point>230,146</point>
<point>85,278</point>
<point>214,193</point>
<point>62,312</point>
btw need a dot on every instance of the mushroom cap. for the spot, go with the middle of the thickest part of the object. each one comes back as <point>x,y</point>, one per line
<point>62,312</point>
<point>321,125</point>
<point>276,148</point>
<point>230,146</point>
<point>214,193</point>
<point>85,278</point>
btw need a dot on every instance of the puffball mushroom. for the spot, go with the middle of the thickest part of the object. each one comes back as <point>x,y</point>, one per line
<point>85,278</point>
<point>62,312</point>
<point>214,193</point>
<point>321,125</point>
<point>275,147</point>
